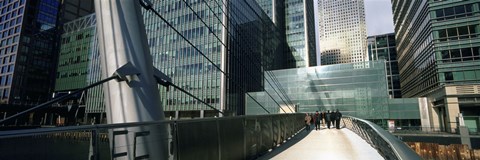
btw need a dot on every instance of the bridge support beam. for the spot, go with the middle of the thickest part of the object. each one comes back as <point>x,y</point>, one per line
<point>122,40</point>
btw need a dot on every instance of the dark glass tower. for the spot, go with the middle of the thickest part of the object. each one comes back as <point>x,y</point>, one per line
<point>233,44</point>
<point>29,45</point>
<point>382,47</point>
<point>295,19</point>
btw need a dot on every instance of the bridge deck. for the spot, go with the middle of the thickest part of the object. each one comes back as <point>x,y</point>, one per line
<point>325,144</point>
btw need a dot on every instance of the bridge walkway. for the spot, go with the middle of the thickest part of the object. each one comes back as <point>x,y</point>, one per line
<point>342,144</point>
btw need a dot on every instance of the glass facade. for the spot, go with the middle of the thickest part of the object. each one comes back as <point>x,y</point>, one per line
<point>382,47</point>
<point>78,62</point>
<point>28,49</point>
<point>225,34</point>
<point>438,55</point>
<point>342,29</point>
<point>356,89</point>
<point>296,20</point>
<point>75,51</point>
<point>300,32</point>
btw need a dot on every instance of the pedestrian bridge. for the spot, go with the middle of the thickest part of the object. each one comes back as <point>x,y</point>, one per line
<point>280,136</point>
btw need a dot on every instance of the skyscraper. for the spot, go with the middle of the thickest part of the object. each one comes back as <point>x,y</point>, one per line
<point>342,29</point>
<point>295,19</point>
<point>438,48</point>
<point>383,47</point>
<point>300,31</point>
<point>227,49</point>
<point>28,51</point>
<point>78,67</point>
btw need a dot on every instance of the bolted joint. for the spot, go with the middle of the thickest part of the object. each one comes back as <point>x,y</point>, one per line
<point>125,72</point>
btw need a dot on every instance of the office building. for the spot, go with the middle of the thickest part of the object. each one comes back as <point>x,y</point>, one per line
<point>342,31</point>
<point>295,19</point>
<point>232,45</point>
<point>28,50</point>
<point>382,47</point>
<point>29,38</point>
<point>78,67</point>
<point>356,89</point>
<point>438,57</point>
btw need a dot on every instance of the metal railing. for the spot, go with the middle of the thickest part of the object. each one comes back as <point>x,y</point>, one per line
<point>385,143</point>
<point>241,137</point>
<point>429,130</point>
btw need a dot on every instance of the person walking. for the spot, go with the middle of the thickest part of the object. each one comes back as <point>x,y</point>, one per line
<point>328,118</point>
<point>332,118</point>
<point>323,118</point>
<point>317,119</point>
<point>338,117</point>
<point>308,119</point>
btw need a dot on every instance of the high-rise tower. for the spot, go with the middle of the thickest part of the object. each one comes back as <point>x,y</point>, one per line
<point>295,19</point>
<point>438,48</point>
<point>227,48</point>
<point>29,45</point>
<point>383,47</point>
<point>342,29</point>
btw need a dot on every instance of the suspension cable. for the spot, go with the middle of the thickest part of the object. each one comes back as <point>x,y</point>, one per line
<point>48,103</point>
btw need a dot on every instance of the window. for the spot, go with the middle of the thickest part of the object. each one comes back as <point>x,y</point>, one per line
<point>466,52</point>
<point>448,76</point>
<point>459,9</point>
<point>439,13</point>
<point>469,75</point>
<point>458,76</point>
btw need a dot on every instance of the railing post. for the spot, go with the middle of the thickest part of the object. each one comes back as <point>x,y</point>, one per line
<point>94,150</point>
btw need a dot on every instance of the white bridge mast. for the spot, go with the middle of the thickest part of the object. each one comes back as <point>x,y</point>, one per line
<point>122,41</point>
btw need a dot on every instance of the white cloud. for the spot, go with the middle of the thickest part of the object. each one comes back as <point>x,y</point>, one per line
<point>379,17</point>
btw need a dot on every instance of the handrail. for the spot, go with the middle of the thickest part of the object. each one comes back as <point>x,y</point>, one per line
<point>40,131</point>
<point>237,137</point>
<point>386,144</point>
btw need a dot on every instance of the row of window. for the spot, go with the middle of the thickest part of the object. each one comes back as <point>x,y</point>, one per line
<point>72,73</point>
<point>12,23</point>
<point>193,69</point>
<point>12,14</point>
<point>461,76</point>
<point>11,6</point>
<point>7,50</point>
<point>463,54</point>
<point>456,33</point>
<point>192,101</point>
<point>454,12</point>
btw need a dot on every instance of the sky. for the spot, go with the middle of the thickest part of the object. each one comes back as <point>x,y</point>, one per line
<point>379,17</point>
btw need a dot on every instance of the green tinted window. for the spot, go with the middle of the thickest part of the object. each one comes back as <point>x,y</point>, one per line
<point>469,75</point>
<point>458,76</point>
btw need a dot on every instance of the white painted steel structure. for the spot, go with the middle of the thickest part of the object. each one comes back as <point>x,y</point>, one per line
<point>122,40</point>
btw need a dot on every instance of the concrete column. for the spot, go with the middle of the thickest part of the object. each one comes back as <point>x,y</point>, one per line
<point>202,113</point>
<point>451,110</point>
<point>122,40</point>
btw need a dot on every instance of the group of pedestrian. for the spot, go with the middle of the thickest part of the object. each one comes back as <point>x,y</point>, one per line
<point>332,119</point>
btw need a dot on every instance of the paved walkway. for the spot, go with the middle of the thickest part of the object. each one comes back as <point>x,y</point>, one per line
<point>329,144</point>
